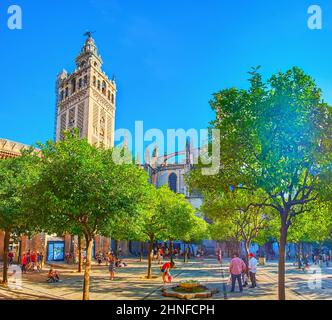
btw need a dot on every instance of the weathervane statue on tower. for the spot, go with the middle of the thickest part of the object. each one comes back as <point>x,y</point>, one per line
<point>89,34</point>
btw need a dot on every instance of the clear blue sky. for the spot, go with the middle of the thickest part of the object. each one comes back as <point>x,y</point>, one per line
<point>168,56</point>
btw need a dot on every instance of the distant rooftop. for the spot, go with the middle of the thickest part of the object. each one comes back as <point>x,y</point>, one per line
<point>10,148</point>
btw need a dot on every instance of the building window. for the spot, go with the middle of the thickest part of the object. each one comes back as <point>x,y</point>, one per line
<point>80,83</point>
<point>67,92</point>
<point>73,85</point>
<point>109,95</point>
<point>103,87</point>
<point>98,84</point>
<point>113,98</point>
<point>61,95</point>
<point>172,182</point>
<point>94,80</point>
<point>85,80</point>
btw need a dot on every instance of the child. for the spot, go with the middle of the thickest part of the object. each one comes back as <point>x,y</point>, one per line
<point>53,276</point>
<point>165,271</point>
<point>245,279</point>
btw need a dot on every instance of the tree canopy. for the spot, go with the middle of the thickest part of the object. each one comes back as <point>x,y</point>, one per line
<point>80,190</point>
<point>275,138</point>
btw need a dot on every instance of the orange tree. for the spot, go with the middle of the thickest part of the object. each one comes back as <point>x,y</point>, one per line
<point>15,175</point>
<point>275,137</point>
<point>81,189</point>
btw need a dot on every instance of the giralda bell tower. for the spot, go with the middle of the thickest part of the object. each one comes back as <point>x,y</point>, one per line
<point>86,99</point>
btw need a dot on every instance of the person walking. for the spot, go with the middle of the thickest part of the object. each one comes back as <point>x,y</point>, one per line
<point>24,263</point>
<point>320,258</point>
<point>111,268</point>
<point>33,260</point>
<point>252,270</point>
<point>28,261</point>
<point>306,264</point>
<point>10,258</point>
<point>159,255</point>
<point>236,268</point>
<point>219,256</point>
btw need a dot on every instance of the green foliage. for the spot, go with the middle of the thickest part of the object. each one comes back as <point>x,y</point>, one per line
<point>80,189</point>
<point>234,215</point>
<point>168,216</point>
<point>15,175</point>
<point>276,139</point>
<point>199,230</point>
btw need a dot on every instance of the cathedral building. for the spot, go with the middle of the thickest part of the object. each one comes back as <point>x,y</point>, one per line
<point>86,100</point>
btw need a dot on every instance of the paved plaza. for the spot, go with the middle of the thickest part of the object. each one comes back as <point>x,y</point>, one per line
<point>131,284</point>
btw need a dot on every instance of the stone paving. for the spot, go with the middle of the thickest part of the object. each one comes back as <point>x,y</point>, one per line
<point>130,283</point>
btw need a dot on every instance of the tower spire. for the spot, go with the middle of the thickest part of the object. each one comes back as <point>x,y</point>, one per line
<point>89,54</point>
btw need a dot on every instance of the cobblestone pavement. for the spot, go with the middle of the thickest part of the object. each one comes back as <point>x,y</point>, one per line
<point>131,284</point>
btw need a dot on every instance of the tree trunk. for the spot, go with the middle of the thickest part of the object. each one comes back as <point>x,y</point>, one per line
<point>116,249</point>
<point>171,250</point>
<point>19,258</point>
<point>141,251</point>
<point>247,249</point>
<point>80,254</point>
<point>188,252</point>
<point>184,253</point>
<point>5,258</point>
<point>149,258</point>
<point>298,254</point>
<point>282,252</point>
<point>86,285</point>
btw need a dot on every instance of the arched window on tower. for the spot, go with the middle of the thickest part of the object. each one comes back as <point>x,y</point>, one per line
<point>94,81</point>
<point>172,182</point>
<point>103,88</point>
<point>98,84</point>
<point>73,85</point>
<point>109,95</point>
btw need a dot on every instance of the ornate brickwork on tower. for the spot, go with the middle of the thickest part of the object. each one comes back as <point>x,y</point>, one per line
<point>86,99</point>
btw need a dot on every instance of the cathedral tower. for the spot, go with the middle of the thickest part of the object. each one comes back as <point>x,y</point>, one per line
<point>86,99</point>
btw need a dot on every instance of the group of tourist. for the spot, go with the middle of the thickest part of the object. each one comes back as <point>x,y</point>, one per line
<point>320,259</point>
<point>239,272</point>
<point>303,262</point>
<point>163,252</point>
<point>32,261</point>
<point>112,261</point>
